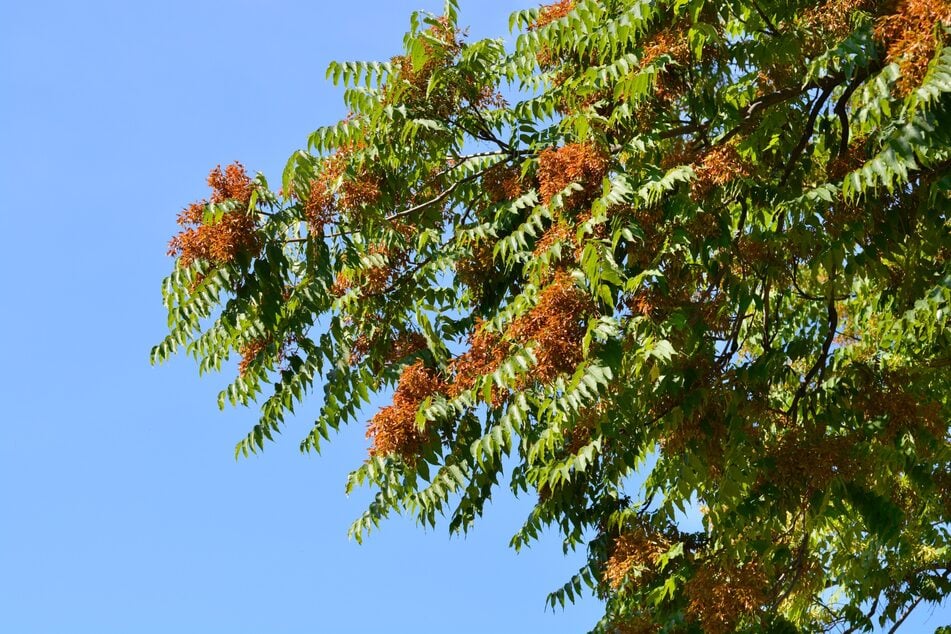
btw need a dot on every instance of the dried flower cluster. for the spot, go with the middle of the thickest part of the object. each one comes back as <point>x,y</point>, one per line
<point>393,430</point>
<point>486,352</point>
<point>719,595</point>
<point>718,167</point>
<point>557,326</point>
<point>811,461</point>
<point>234,233</point>
<point>502,183</point>
<point>909,37</point>
<point>332,191</point>
<point>635,551</point>
<point>397,347</point>
<point>409,85</point>
<point>673,42</point>
<point>250,351</point>
<point>581,163</point>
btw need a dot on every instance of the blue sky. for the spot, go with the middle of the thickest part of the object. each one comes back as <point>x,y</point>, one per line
<point>123,509</point>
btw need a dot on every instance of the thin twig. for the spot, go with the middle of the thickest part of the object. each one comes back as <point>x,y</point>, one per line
<point>819,367</point>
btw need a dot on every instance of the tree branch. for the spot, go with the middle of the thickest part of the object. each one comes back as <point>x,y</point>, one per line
<point>405,212</point>
<point>818,368</point>
<point>818,104</point>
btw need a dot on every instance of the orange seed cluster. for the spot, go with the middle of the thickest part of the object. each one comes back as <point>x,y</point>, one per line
<point>581,163</point>
<point>475,269</point>
<point>486,352</point>
<point>502,183</point>
<point>249,353</point>
<point>718,167</point>
<point>667,42</point>
<point>548,13</point>
<point>413,89</point>
<point>557,326</point>
<point>908,35</point>
<point>398,348</point>
<point>830,22</point>
<point>219,242</point>
<point>720,595</point>
<point>393,429</point>
<point>638,551</point>
<point>331,192</point>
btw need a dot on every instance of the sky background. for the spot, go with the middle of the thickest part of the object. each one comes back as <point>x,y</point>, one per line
<point>122,508</point>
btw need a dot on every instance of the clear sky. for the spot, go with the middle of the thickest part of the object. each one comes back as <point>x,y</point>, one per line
<point>121,506</point>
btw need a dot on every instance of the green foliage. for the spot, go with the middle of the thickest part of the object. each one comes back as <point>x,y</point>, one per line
<point>705,247</point>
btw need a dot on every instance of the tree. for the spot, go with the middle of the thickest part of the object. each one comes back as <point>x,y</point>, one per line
<point>705,244</point>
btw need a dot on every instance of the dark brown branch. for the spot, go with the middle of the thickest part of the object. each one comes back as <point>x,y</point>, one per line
<point>868,615</point>
<point>410,210</point>
<point>819,367</point>
<point>912,607</point>
<point>806,133</point>
<point>765,18</point>
<point>486,132</point>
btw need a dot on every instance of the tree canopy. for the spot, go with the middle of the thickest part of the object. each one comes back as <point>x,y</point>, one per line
<point>660,255</point>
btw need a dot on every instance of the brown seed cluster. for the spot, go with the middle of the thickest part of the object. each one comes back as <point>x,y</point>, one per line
<point>557,326</point>
<point>581,163</point>
<point>377,279</point>
<point>719,595</point>
<point>393,430</point>
<point>811,461</point>
<point>546,15</point>
<point>829,23</point>
<point>903,410</point>
<point>234,233</point>
<point>332,192</point>
<point>678,153</point>
<point>651,223</point>
<point>398,347</point>
<point>410,83</point>
<point>474,270</point>
<point>551,12</point>
<point>559,232</point>
<point>373,280</point>
<point>909,37</point>
<point>635,551</point>
<point>635,625</point>
<point>853,158</point>
<point>486,353</point>
<point>704,431</point>
<point>718,167</point>
<point>673,42</point>
<point>942,484</point>
<point>502,183</point>
<point>249,352</point>
<point>843,215</point>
